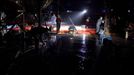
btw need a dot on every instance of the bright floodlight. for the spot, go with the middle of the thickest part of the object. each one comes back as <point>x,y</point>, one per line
<point>84,11</point>
<point>79,16</point>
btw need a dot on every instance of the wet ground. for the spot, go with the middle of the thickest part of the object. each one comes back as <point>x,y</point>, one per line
<point>70,55</point>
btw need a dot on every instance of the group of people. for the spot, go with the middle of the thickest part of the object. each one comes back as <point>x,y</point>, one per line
<point>102,31</point>
<point>56,20</point>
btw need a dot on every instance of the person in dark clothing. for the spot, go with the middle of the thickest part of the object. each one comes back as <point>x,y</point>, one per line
<point>58,23</point>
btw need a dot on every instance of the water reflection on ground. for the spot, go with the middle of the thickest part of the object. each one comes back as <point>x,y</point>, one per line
<point>71,55</point>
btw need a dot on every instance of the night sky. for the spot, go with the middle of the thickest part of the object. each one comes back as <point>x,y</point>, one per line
<point>96,7</point>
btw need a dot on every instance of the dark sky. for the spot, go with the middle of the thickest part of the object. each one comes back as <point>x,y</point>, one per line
<point>95,5</point>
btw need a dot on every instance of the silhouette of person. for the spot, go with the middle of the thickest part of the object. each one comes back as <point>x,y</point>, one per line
<point>58,23</point>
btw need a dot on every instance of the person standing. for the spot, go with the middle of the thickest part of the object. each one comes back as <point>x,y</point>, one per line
<point>98,25</point>
<point>58,23</point>
<point>53,19</point>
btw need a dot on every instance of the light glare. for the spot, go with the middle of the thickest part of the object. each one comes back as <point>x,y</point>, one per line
<point>85,11</point>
